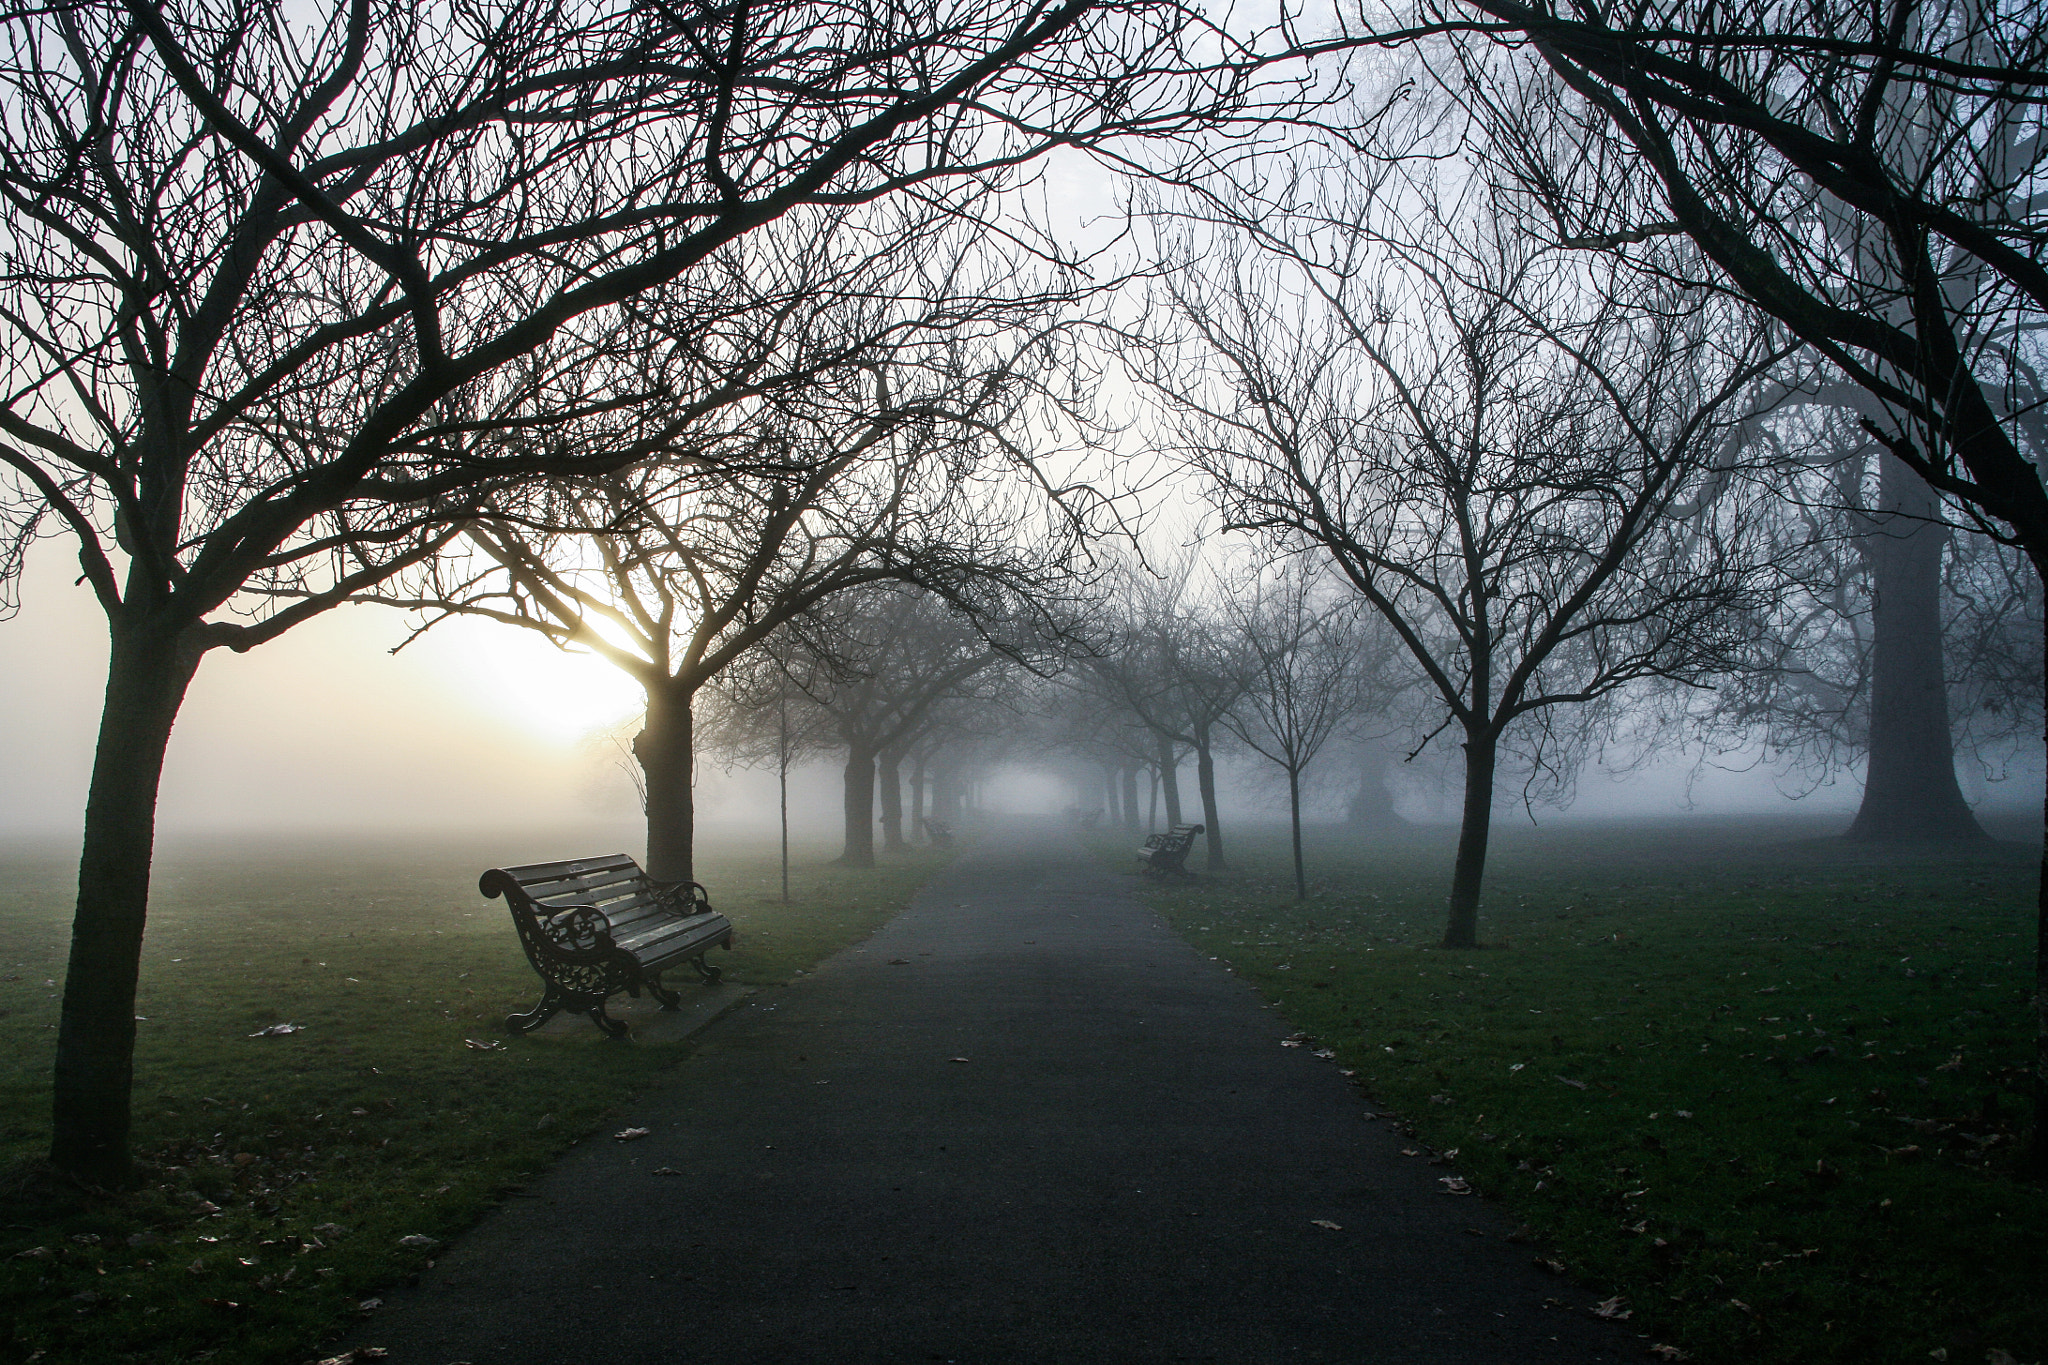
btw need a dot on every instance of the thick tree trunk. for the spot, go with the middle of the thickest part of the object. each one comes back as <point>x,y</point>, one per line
<point>2038,1149</point>
<point>1462,930</point>
<point>1169,780</point>
<point>1205,779</point>
<point>666,749</point>
<point>147,674</point>
<point>1910,790</point>
<point>1294,816</point>
<point>1131,799</point>
<point>891,774</point>
<point>1372,805</point>
<point>917,794</point>
<point>860,808</point>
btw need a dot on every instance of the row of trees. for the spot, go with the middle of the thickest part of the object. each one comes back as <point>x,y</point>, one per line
<point>709,339</point>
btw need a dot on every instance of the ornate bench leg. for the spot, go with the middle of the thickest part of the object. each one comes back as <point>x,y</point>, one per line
<point>535,1017</point>
<point>707,971</point>
<point>616,1028</point>
<point>668,998</point>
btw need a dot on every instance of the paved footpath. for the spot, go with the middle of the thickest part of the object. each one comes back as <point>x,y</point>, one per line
<point>1023,1122</point>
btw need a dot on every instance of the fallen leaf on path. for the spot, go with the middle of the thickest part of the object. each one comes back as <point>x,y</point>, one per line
<point>899,962</point>
<point>666,1170</point>
<point>959,1059</point>
<point>1454,1184</point>
<point>1612,1309</point>
<point>629,1134</point>
<point>1326,1223</point>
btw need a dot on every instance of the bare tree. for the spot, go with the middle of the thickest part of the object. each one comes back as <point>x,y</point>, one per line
<point>271,290</point>
<point>1174,667</point>
<point>1905,641</point>
<point>878,662</point>
<point>1313,663</point>
<point>1515,462</point>
<point>877,471</point>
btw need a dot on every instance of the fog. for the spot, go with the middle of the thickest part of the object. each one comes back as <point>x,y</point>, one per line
<point>476,727</point>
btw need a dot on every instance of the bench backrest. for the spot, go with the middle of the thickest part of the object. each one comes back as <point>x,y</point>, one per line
<point>613,883</point>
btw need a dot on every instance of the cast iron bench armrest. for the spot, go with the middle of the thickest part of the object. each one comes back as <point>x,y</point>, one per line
<point>1168,852</point>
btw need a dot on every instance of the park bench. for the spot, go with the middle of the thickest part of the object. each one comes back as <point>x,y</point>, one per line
<point>939,832</point>
<point>1168,852</point>
<point>597,926</point>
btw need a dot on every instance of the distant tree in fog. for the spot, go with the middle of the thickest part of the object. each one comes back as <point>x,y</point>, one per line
<point>878,662</point>
<point>895,463</point>
<point>1177,666</point>
<point>1905,640</point>
<point>1524,466</point>
<point>1314,660</point>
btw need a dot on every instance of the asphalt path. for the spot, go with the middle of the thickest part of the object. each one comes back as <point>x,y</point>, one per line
<point>1022,1122</point>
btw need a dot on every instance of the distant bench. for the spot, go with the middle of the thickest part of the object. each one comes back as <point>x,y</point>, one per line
<point>1168,852</point>
<point>598,926</point>
<point>939,832</point>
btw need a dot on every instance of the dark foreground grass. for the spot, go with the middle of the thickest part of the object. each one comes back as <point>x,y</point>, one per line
<point>1763,1088</point>
<point>279,1174</point>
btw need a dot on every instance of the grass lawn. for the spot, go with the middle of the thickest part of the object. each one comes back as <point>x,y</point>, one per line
<point>1761,1087</point>
<point>281,1172</point>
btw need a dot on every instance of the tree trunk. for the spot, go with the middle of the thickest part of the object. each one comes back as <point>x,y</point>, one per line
<point>1910,790</point>
<point>1169,780</point>
<point>1152,806</point>
<point>147,675</point>
<point>1372,805</point>
<point>666,750</point>
<point>891,773</point>
<point>1131,799</point>
<point>917,794</point>
<point>1205,778</point>
<point>1294,815</point>
<point>1462,931</point>
<point>2038,1150</point>
<point>860,808</point>
<point>1110,805</point>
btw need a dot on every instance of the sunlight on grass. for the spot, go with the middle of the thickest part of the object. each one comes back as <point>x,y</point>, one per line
<point>281,1172</point>
<point>1766,1088</point>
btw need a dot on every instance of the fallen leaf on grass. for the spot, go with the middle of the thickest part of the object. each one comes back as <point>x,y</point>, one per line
<point>1612,1309</point>
<point>35,1254</point>
<point>1454,1184</point>
<point>277,1030</point>
<point>631,1134</point>
<point>1663,1352</point>
<point>482,1046</point>
<point>666,1170</point>
<point>418,1241</point>
<point>1326,1223</point>
<point>899,962</point>
<point>369,1305</point>
<point>1576,1085</point>
<point>959,1059</point>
